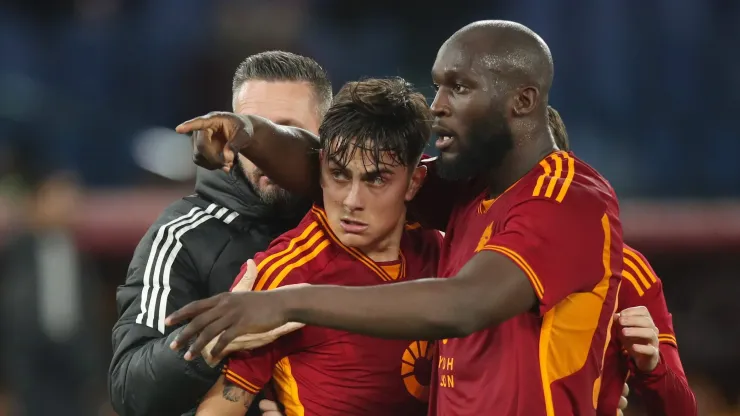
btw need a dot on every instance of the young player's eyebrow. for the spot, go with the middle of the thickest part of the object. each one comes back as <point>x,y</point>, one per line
<point>372,174</point>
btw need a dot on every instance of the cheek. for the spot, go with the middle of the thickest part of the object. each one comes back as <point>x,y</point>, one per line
<point>389,203</point>
<point>334,193</point>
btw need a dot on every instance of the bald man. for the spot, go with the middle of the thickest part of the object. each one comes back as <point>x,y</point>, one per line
<point>532,257</point>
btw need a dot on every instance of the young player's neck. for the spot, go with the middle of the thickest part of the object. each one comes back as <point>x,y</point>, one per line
<point>387,248</point>
<point>520,160</point>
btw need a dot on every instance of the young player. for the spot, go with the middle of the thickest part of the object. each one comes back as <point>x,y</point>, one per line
<point>643,349</point>
<point>371,141</point>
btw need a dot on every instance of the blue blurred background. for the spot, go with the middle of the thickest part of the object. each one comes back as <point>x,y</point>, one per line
<point>648,91</point>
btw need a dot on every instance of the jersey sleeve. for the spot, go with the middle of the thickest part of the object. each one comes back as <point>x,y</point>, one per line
<point>642,287</point>
<point>252,370</point>
<point>290,259</point>
<point>563,247</point>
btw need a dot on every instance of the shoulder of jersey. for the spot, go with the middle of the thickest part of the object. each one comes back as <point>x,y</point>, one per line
<point>637,274</point>
<point>300,250</point>
<point>561,176</point>
<point>421,236</point>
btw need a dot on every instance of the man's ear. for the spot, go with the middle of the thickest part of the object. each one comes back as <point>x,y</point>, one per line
<point>417,180</point>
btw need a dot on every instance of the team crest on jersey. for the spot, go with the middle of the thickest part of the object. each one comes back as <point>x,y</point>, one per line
<point>416,368</point>
<point>485,237</point>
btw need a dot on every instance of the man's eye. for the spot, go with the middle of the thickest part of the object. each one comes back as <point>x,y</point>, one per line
<point>378,180</point>
<point>460,89</point>
<point>338,175</point>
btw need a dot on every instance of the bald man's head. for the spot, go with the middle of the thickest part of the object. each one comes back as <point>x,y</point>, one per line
<point>509,50</point>
<point>493,81</point>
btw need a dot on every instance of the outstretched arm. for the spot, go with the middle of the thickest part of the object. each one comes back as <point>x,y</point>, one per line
<point>290,157</point>
<point>490,289</point>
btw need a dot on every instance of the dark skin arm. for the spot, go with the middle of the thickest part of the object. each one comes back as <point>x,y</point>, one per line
<point>488,290</point>
<point>288,155</point>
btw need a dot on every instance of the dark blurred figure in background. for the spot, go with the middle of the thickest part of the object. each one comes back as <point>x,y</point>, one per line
<point>49,303</point>
<point>197,245</point>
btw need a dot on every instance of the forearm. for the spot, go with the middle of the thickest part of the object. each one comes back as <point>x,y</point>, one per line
<point>225,399</point>
<point>424,309</point>
<point>665,390</point>
<point>150,378</point>
<point>288,155</point>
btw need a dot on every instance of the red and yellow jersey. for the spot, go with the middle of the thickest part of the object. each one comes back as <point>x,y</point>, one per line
<point>560,224</point>
<point>319,371</point>
<point>642,287</point>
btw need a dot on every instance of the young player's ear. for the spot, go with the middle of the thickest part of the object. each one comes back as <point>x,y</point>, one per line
<point>417,180</point>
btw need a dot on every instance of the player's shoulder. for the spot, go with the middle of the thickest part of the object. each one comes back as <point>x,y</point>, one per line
<point>638,278</point>
<point>563,178</point>
<point>297,256</point>
<point>422,241</point>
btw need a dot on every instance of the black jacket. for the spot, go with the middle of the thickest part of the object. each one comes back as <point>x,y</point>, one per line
<point>194,250</point>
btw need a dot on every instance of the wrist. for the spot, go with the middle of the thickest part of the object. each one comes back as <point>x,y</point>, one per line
<point>290,303</point>
<point>657,372</point>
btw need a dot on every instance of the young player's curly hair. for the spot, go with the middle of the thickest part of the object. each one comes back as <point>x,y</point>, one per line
<point>376,116</point>
<point>558,129</point>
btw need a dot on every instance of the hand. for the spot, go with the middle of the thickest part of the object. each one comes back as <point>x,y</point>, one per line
<point>251,341</point>
<point>270,408</point>
<point>217,138</point>
<point>623,400</point>
<point>639,336</point>
<point>229,314</point>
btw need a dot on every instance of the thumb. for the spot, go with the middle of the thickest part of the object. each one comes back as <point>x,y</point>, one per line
<point>246,284</point>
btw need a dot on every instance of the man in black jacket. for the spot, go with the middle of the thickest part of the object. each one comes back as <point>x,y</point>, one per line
<point>196,247</point>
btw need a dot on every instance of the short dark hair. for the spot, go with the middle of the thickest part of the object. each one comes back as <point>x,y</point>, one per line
<point>377,115</point>
<point>555,122</point>
<point>285,66</point>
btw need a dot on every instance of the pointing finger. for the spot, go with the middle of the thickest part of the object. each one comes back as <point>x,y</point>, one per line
<point>198,123</point>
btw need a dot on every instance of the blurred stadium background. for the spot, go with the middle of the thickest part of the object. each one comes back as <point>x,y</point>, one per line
<point>91,89</point>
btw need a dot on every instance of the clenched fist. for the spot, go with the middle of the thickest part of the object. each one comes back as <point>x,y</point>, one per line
<point>639,336</point>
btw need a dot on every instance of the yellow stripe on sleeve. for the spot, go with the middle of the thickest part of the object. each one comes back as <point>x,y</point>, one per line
<point>526,268</point>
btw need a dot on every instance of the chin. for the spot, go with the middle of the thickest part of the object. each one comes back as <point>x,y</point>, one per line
<point>357,241</point>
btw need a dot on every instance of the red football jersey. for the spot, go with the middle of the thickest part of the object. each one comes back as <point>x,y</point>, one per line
<point>640,287</point>
<point>560,224</point>
<point>319,371</point>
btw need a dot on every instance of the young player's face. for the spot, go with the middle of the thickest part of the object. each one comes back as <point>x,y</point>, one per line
<point>469,113</point>
<point>285,103</point>
<point>366,202</point>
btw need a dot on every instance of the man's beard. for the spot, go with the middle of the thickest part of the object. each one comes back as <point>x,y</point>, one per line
<point>484,150</point>
<point>276,197</point>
